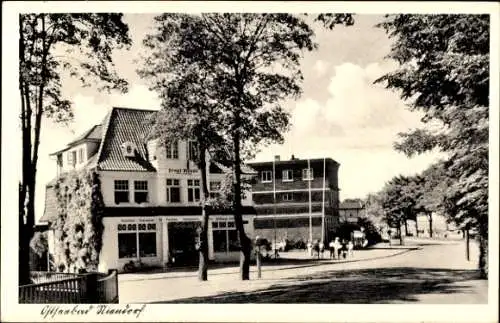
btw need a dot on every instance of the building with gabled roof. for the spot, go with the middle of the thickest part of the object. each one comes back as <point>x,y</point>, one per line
<point>151,193</point>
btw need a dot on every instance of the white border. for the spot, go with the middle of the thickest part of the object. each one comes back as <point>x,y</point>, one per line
<point>11,311</point>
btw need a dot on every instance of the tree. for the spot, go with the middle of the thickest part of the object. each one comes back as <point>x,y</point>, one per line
<point>49,45</point>
<point>189,110</point>
<point>432,185</point>
<point>398,203</point>
<point>444,73</point>
<point>253,60</point>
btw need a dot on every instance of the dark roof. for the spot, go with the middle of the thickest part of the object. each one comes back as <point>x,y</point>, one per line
<point>295,161</point>
<point>93,134</point>
<point>350,205</point>
<point>125,125</point>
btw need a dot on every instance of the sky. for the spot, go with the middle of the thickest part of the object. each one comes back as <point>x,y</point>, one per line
<point>341,113</point>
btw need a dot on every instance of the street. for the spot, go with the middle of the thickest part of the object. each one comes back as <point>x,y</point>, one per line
<point>424,272</point>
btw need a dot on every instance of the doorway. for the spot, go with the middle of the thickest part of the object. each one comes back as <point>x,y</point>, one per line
<point>182,239</point>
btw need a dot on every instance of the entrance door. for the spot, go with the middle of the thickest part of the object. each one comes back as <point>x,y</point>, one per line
<point>182,238</point>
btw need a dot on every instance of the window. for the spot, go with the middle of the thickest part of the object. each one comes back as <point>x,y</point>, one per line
<point>173,150</point>
<point>134,237</point>
<point>225,236</point>
<point>80,156</point>
<point>307,174</point>
<point>215,187</point>
<point>72,158</point>
<point>267,176</point>
<point>141,192</point>
<point>147,244</point>
<point>121,191</point>
<point>288,197</point>
<point>193,190</point>
<point>127,245</point>
<point>287,175</point>
<point>192,150</point>
<point>173,191</point>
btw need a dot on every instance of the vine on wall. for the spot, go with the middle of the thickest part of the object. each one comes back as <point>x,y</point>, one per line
<point>78,228</point>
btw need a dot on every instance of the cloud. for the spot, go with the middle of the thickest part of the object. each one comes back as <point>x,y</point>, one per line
<point>321,67</point>
<point>357,126</point>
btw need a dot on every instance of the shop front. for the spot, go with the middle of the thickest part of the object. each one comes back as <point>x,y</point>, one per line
<point>159,241</point>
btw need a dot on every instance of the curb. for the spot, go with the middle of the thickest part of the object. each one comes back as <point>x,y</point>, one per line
<point>315,264</point>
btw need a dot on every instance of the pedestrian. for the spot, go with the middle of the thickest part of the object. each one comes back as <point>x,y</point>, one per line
<point>321,249</point>
<point>338,247</point>
<point>344,249</point>
<point>331,248</point>
<point>350,248</point>
<point>309,248</point>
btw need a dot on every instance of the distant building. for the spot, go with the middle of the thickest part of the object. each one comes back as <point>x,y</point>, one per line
<point>281,193</point>
<point>151,194</point>
<point>351,210</point>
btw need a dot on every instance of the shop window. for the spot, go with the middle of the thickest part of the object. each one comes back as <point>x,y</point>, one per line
<point>307,174</point>
<point>121,191</point>
<point>173,150</point>
<point>127,245</point>
<point>220,241</point>
<point>267,176</point>
<point>193,190</point>
<point>173,191</point>
<point>147,244</point>
<point>287,175</point>
<point>134,238</point>
<point>140,192</point>
<point>225,236</point>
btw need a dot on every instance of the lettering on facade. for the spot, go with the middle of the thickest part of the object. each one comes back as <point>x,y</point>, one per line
<point>182,171</point>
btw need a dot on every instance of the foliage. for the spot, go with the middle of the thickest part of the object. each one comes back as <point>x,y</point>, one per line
<point>78,228</point>
<point>398,200</point>
<point>39,243</point>
<point>444,73</point>
<point>51,46</point>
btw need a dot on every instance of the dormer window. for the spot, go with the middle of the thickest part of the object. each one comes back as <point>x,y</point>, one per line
<point>129,149</point>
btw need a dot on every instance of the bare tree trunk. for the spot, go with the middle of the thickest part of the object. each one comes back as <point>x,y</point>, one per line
<point>401,242</point>
<point>430,224</point>
<point>416,225</point>
<point>203,248</point>
<point>483,249</point>
<point>467,244</point>
<point>406,227</point>
<point>238,218</point>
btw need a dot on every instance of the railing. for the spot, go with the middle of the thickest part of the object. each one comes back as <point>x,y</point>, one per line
<point>65,288</point>
<point>107,288</point>
<point>39,277</point>
<point>72,290</point>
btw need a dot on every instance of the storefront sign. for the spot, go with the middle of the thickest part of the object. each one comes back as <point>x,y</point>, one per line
<point>182,171</point>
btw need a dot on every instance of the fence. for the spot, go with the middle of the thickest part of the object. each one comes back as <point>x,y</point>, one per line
<point>64,288</point>
<point>107,288</point>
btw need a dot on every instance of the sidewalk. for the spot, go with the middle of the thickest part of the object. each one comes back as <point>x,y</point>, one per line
<point>287,260</point>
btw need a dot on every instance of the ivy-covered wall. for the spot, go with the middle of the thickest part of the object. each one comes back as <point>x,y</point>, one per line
<point>78,228</point>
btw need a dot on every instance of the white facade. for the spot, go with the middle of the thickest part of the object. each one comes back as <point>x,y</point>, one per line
<point>110,257</point>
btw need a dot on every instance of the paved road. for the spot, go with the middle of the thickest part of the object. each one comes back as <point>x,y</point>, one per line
<point>435,273</point>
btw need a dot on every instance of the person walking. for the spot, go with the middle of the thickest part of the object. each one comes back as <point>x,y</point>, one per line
<point>350,248</point>
<point>331,248</point>
<point>321,249</point>
<point>338,247</point>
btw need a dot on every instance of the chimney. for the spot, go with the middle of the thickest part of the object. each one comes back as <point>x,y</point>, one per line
<point>293,157</point>
<point>277,158</point>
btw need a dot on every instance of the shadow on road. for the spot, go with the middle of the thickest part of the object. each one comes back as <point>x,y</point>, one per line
<point>381,285</point>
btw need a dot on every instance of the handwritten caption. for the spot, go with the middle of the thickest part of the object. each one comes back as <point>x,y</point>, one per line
<point>52,311</point>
